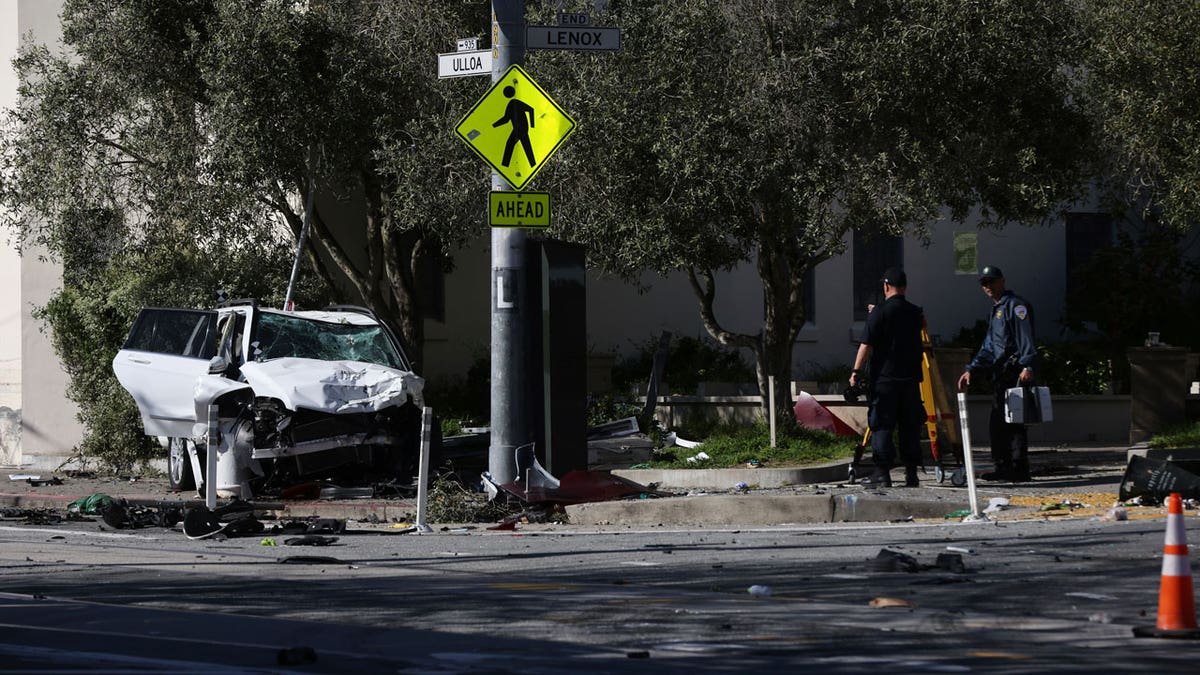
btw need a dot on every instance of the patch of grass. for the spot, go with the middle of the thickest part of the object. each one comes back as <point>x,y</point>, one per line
<point>736,445</point>
<point>1182,436</point>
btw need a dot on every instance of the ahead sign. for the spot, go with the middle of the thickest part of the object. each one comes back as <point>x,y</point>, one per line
<point>519,209</point>
<point>573,37</point>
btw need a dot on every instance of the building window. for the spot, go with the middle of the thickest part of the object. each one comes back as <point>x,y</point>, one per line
<point>431,288</point>
<point>1086,234</point>
<point>872,255</point>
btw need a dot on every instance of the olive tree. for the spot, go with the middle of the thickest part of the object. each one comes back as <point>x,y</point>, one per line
<point>187,122</point>
<point>1143,76</point>
<point>169,147</point>
<point>763,132</point>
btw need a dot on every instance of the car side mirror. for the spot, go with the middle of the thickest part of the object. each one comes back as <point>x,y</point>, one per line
<point>217,365</point>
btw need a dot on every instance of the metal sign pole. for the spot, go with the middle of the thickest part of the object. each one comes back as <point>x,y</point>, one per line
<point>308,209</point>
<point>508,406</point>
<point>210,459</point>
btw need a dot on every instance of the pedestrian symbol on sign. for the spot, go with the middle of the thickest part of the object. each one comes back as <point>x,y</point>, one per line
<point>520,116</point>
<point>515,111</point>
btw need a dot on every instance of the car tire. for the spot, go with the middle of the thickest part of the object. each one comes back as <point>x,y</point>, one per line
<point>179,466</point>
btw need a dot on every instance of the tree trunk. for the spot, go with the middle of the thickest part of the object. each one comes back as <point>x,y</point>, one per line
<point>783,316</point>
<point>388,284</point>
<point>772,346</point>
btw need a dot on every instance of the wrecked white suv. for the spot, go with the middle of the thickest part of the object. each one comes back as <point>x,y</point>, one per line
<point>300,395</point>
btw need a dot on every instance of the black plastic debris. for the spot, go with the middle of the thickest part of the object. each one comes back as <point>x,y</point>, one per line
<point>235,519</point>
<point>121,514</point>
<point>296,656</point>
<point>310,540</point>
<point>201,523</point>
<point>313,526</point>
<point>244,525</point>
<point>309,560</point>
<point>37,516</point>
<point>327,526</point>
<point>892,561</point>
<point>1155,478</point>
<point>951,562</point>
<point>114,515</point>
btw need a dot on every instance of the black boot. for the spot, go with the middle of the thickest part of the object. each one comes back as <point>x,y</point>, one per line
<point>880,477</point>
<point>1002,472</point>
<point>910,477</point>
<point>1020,472</point>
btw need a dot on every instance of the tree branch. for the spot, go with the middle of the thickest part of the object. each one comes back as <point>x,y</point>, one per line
<point>103,140</point>
<point>705,295</point>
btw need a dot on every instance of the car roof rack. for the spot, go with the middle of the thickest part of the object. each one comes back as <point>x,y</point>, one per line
<point>239,302</point>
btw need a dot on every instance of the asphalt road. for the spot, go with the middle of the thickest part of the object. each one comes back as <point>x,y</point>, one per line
<point>1057,595</point>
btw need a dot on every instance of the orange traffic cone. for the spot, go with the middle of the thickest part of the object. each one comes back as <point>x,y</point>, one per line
<point>1176,598</point>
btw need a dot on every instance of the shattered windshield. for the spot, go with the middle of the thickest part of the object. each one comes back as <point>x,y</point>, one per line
<point>281,335</point>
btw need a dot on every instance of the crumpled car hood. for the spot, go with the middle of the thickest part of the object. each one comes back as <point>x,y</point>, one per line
<point>333,386</point>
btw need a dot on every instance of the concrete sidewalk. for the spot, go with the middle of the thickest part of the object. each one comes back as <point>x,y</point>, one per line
<point>1083,479</point>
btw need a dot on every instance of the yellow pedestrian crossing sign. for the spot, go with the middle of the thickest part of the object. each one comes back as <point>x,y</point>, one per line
<point>515,127</point>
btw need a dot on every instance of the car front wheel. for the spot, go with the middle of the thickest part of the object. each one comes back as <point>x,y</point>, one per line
<point>179,466</point>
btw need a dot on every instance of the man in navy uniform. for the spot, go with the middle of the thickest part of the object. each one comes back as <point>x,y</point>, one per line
<point>1009,353</point>
<point>892,343</point>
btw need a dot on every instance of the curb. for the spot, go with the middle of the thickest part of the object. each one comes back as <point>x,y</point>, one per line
<point>745,510</point>
<point>724,479</point>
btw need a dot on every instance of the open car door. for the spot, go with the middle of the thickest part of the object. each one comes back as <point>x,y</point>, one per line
<point>167,350</point>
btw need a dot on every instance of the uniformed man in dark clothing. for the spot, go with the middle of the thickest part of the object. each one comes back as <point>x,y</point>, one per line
<point>1009,353</point>
<point>892,345</point>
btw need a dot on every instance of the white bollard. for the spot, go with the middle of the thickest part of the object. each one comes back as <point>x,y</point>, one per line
<point>968,464</point>
<point>423,469</point>
<point>771,403</point>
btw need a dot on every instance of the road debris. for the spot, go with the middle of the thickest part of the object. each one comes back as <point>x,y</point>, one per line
<point>996,505</point>
<point>310,540</point>
<point>90,505</point>
<point>1156,479</point>
<point>296,656</point>
<point>309,560</point>
<point>951,562</point>
<point>892,561</point>
<point>890,602</point>
<point>1117,512</point>
<point>121,514</point>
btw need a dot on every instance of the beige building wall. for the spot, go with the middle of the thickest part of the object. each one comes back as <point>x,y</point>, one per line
<point>32,382</point>
<point>10,275</point>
